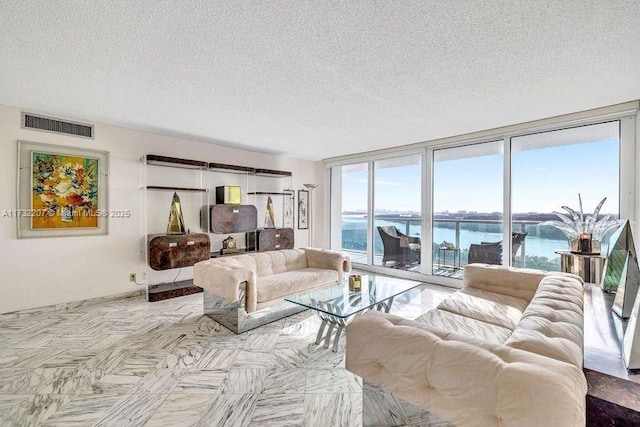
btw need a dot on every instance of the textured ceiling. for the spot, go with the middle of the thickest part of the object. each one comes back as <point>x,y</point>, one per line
<point>317,79</point>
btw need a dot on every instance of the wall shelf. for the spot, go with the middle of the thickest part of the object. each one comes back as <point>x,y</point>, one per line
<point>221,167</point>
<point>164,291</point>
<point>163,175</point>
<point>164,188</point>
<point>266,193</point>
<point>174,162</point>
<point>272,173</point>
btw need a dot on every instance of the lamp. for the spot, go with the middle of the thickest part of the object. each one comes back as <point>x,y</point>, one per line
<point>310,187</point>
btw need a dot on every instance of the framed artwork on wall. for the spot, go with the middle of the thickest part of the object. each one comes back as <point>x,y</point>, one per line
<point>288,208</point>
<point>303,209</point>
<point>62,191</point>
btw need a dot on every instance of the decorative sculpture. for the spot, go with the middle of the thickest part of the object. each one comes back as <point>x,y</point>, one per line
<point>269,217</point>
<point>176,221</point>
<point>584,232</point>
<point>621,272</point>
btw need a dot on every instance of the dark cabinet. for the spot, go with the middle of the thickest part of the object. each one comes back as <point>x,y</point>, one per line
<point>180,250</point>
<point>227,219</point>
<point>270,239</point>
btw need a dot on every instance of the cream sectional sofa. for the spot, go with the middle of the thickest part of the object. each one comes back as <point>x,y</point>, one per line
<point>243,292</point>
<point>505,350</point>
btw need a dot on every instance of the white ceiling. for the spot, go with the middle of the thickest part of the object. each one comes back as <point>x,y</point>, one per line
<point>317,79</point>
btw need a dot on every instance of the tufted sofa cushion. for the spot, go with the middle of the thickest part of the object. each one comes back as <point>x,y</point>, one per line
<point>515,282</point>
<point>552,325</point>
<point>289,282</point>
<point>489,307</point>
<point>463,325</point>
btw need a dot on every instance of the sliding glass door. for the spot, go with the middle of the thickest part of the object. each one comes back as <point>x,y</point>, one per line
<point>376,212</point>
<point>397,212</point>
<point>467,207</point>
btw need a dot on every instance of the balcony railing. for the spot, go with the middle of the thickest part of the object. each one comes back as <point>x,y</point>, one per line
<point>409,224</point>
<point>516,226</point>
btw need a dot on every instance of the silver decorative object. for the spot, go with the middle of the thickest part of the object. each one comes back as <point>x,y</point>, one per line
<point>621,272</point>
<point>631,339</point>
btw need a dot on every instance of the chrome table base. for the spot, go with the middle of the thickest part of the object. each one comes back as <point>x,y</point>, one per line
<point>332,326</point>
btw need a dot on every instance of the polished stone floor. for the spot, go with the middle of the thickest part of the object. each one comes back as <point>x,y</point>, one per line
<point>129,362</point>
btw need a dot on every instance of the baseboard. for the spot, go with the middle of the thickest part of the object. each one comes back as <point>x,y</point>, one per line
<point>65,306</point>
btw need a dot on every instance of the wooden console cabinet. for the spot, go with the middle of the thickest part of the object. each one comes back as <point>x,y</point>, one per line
<point>270,239</point>
<point>168,251</point>
<point>227,219</point>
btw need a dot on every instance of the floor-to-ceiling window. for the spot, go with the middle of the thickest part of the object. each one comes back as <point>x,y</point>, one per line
<point>397,212</point>
<point>467,207</point>
<point>548,171</point>
<point>482,199</point>
<point>376,211</point>
<point>354,211</point>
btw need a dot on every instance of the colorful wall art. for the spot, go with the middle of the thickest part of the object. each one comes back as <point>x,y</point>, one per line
<point>64,191</point>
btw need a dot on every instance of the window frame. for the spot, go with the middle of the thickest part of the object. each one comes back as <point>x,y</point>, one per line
<point>628,179</point>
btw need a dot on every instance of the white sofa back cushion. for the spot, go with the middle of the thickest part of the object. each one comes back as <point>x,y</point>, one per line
<point>274,262</point>
<point>519,283</point>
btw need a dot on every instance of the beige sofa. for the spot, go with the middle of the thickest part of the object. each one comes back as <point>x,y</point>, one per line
<point>506,350</point>
<point>243,292</point>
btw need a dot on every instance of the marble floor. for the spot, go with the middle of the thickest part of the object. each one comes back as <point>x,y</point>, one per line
<point>129,362</point>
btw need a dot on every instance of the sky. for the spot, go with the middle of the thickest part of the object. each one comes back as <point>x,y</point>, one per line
<point>543,180</point>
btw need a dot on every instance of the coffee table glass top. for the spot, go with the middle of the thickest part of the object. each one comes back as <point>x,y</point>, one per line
<point>336,300</point>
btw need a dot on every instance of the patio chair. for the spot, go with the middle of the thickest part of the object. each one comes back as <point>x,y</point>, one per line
<point>491,252</point>
<point>398,247</point>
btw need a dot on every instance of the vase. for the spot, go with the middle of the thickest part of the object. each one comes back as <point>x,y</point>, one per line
<point>576,246</point>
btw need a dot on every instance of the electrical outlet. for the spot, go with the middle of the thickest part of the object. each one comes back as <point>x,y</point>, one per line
<point>132,277</point>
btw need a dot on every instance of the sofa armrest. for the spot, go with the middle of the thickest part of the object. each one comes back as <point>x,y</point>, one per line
<point>224,280</point>
<point>333,260</point>
<point>461,379</point>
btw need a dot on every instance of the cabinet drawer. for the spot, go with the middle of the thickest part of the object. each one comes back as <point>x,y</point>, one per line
<point>271,239</point>
<point>176,251</point>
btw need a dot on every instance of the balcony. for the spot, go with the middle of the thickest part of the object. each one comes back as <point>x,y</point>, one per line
<point>537,250</point>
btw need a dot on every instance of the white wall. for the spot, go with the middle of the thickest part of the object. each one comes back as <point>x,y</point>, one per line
<point>40,272</point>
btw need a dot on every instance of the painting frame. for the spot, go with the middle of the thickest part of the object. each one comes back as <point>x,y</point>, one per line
<point>303,209</point>
<point>76,178</point>
<point>288,208</point>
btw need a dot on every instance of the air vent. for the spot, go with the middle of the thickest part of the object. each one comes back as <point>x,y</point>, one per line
<point>47,124</point>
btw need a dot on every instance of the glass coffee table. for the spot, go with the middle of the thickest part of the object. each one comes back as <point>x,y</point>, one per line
<point>336,306</point>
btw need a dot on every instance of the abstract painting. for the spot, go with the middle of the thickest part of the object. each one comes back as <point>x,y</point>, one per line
<point>64,191</point>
